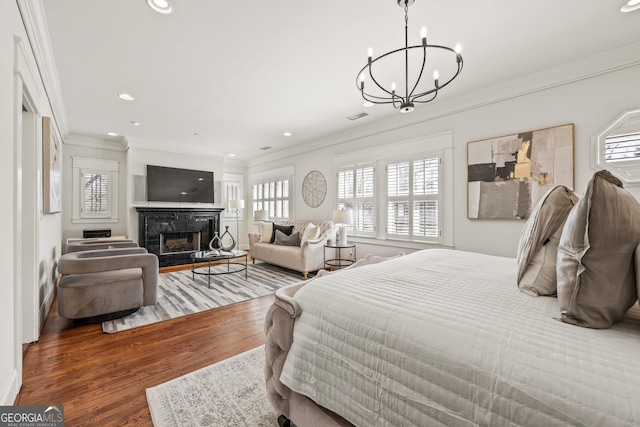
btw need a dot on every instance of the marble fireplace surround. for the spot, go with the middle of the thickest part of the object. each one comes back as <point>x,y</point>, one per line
<point>153,222</point>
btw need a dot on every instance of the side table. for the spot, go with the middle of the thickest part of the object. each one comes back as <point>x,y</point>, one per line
<point>340,256</point>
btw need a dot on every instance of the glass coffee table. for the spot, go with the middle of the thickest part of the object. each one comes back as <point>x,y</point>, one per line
<point>224,262</point>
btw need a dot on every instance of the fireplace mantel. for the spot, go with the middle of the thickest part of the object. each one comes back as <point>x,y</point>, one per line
<point>152,222</point>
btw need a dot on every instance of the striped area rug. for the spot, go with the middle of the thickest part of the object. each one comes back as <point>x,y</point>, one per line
<point>179,294</point>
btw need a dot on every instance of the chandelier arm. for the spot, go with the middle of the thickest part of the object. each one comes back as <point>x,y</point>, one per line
<point>424,61</point>
<point>460,65</point>
<point>426,100</point>
<point>372,98</point>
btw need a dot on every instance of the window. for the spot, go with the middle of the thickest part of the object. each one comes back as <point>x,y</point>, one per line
<point>413,198</point>
<point>617,148</point>
<point>95,194</point>
<point>233,189</point>
<point>356,186</point>
<point>622,147</point>
<point>273,196</point>
<point>95,190</point>
<point>400,193</point>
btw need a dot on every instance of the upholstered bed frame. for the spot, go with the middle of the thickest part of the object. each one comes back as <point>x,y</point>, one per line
<point>279,336</point>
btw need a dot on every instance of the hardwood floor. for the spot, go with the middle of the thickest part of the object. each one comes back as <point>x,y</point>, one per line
<point>100,379</point>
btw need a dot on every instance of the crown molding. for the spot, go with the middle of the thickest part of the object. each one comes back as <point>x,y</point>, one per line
<point>117,144</point>
<point>35,24</point>
<point>585,68</point>
<point>170,147</point>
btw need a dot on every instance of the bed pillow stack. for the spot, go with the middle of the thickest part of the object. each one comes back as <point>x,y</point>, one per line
<point>595,265</point>
<point>538,246</point>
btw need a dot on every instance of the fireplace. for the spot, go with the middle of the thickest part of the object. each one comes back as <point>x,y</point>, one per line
<point>173,242</point>
<point>173,234</point>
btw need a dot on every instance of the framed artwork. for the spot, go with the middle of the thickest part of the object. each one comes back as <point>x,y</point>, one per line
<point>314,189</point>
<point>50,168</point>
<point>507,175</point>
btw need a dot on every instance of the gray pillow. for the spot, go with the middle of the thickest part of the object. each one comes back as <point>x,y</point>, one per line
<point>284,240</point>
<point>286,229</point>
<point>538,245</point>
<point>595,266</point>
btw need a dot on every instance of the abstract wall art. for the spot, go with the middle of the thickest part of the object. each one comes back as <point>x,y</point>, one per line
<point>50,168</point>
<point>507,175</point>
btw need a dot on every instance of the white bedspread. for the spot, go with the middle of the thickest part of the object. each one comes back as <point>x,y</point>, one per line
<point>443,337</point>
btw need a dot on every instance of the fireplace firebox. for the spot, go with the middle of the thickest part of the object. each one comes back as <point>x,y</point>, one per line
<point>174,233</point>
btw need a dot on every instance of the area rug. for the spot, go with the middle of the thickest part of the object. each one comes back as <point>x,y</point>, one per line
<point>228,393</point>
<point>179,294</point>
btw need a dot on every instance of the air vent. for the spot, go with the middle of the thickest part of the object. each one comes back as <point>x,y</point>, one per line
<point>265,148</point>
<point>357,116</point>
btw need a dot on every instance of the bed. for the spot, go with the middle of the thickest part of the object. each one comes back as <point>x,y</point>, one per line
<point>443,338</point>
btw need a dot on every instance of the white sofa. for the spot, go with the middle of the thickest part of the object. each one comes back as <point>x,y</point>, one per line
<point>306,258</point>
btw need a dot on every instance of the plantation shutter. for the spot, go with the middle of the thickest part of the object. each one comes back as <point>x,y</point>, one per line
<point>413,195</point>
<point>355,190</point>
<point>95,194</point>
<point>622,147</point>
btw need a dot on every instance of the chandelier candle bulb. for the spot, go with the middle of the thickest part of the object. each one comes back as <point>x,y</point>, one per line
<point>362,81</point>
<point>369,54</point>
<point>423,34</point>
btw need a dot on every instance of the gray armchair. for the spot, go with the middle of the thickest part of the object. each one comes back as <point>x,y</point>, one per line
<point>106,281</point>
<point>95,244</point>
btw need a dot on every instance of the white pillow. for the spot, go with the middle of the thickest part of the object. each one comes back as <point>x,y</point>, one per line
<point>266,230</point>
<point>311,232</point>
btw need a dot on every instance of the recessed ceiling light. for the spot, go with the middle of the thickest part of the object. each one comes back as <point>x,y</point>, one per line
<point>630,6</point>
<point>231,155</point>
<point>287,134</point>
<point>135,123</point>
<point>162,6</point>
<point>125,96</point>
<point>367,104</point>
<point>183,192</point>
<point>112,134</point>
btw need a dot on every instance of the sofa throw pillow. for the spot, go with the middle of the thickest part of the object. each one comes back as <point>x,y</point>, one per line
<point>284,240</point>
<point>266,232</point>
<point>311,232</point>
<point>286,229</point>
<point>595,266</point>
<point>538,245</point>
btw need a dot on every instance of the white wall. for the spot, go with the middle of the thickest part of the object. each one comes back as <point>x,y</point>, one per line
<point>77,147</point>
<point>591,104</point>
<point>16,54</point>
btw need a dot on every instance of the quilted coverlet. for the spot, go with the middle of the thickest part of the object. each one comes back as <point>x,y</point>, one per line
<point>442,337</point>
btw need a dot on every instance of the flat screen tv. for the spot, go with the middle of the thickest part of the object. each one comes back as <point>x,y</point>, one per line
<point>179,185</point>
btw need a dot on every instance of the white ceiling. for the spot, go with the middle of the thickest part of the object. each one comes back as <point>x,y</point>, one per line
<point>240,73</point>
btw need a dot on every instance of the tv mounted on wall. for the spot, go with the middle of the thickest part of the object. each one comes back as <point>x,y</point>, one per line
<point>166,184</point>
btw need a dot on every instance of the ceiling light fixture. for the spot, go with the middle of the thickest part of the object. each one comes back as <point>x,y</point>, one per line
<point>125,96</point>
<point>112,134</point>
<point>135,123</point>
<point>162,6</point>
<point>287,134</point>
<point>406,102</point>
<point>630,6</point>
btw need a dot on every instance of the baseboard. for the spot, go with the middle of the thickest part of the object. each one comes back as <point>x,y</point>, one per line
<point>45,308</point>
<point>10,390</point>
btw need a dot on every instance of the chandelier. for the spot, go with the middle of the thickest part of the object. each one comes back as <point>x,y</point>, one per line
<point>414,93</point>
